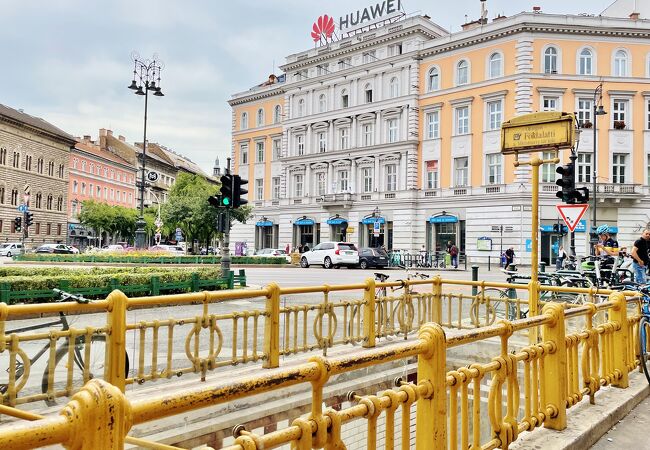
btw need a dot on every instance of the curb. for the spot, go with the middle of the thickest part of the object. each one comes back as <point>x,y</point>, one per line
<point>587,423</point>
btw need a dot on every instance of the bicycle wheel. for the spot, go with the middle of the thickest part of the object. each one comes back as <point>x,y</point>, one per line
<point>21,357</point>
<point>498,305</point>
<point>644,346</point>
<point>404,316</point>
<point>95,365</point>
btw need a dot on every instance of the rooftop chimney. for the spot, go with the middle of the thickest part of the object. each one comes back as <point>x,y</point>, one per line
<point>537,9</point>
<point>109,132</point>
<point>121,138</point>
<point>86,138</point>
<point>102,132</point>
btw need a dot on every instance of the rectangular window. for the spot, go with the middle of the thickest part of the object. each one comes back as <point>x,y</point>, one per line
<point>392,130</point>
<point>618,168</point>
<point>585,107</point>
<point>260,151</point>
<point>321,70</point>
<point>343,181</point>
<point>244,153</point>
<point>368,134</point>
<point>344,138</point>
<point>647,127</point>
<point>367,179</point>
<point>259,189</point>
<point>584,168</point>
<point>38,228</point>
<point>345,63</point>
<point>300,145</point>
<point>550,103</point>
<point>494,168</point>
<point>48,229</point>
<point>433,125</point>
<point>275,186</point>
<point>391,177</point>
<point>58,229</point>
<point>462,120</point>
<point>461,171</point>
<point>320,183</point>
<point>619,111</point>
<point>395,49</point>
<point>16,163</point>
<point>322,142</point>
<point>369,95</point>
<point>369,57</point>
<point>548,170</point>
<point>648,170</point>
<point>277,149</point>
<point>494,115</point>
<point>432,174</point>
<point>345,100</point>
<point>298,185</point>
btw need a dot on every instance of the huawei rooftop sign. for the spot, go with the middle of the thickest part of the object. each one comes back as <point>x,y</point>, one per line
<point>323,28</point>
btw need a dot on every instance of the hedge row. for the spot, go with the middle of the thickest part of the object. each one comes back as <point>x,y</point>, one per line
<point>98,258</point>
<point>6,271</point>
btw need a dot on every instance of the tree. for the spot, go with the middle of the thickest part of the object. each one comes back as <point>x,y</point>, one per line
<point>116,220</point>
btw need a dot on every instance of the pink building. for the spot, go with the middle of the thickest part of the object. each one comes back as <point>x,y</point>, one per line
<point>99,175</point>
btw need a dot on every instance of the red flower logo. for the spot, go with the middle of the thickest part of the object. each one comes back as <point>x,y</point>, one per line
<point>323,27</point>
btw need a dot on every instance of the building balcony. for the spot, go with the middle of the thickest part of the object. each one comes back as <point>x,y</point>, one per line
<point>344,199</point>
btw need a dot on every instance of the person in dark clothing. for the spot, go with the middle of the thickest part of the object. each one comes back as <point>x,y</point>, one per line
<point>640,256</point>
<point>510,257</point>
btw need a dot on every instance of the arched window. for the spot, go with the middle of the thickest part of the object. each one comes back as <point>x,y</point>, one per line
<point>586,62</point>
<point>39,199</point>
<point>50,168</point>
<point>92,168</point>
<point>277,114</point>
<point>462,73</point>
<point>301,107</point>
<point>550,60</point>
<point>260,117</point>
<point>433,79</point>
<point>495,65</point>
<point>39,165</point>
<point>393,87</point>
<point>620,63</point>
<point>59,204</point>
<point>243,125</point>
<point>83,166</point>
<point>322,103</point>
<point>345,99</point>
<point>49,202</point>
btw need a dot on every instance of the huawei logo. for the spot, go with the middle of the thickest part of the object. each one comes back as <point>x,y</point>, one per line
<point>322,28</point>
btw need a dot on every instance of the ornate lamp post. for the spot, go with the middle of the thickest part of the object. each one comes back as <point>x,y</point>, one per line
<point>146,77</point>
<point>598,111</point>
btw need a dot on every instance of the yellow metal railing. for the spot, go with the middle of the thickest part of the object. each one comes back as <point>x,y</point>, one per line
<point>215,331</point>
<point>450,411</point>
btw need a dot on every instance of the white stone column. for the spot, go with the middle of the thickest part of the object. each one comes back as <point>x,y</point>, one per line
<point>289,143</point>
<point>353,176</point>
<point>330,136</point>
<point>307,191</point>
<point>404,170</point>
<point>292,106</point>
<point>353,133</point>
<point>354,94</point>
<point>404,119</point>
<point>309,142</point>
<point>310,102</point>
<point>331,101</point>
<point>378,139</point>
<point>378,177</point>
<point>379,87</point>
<point>330,178</point>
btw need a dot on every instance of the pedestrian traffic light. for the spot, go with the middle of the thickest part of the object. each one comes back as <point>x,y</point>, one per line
<point>222,224</point>
<point>567,183</point>
<point>29,219</point>
<point>238,191</point>
<point>18,223</point>
<point>226,191</point>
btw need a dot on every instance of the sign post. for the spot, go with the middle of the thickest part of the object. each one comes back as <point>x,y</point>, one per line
<point>571,214</point>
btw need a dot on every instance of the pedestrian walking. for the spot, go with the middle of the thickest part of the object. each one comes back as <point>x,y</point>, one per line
<point>641,259</point>
<point>510,257</point>
<point>561,256</point>
<point>453,251</point>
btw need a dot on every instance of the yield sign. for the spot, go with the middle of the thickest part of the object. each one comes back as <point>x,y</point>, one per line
<point>571,214</point>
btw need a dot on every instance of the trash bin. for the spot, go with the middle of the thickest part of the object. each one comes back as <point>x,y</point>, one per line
<point>447,259</point>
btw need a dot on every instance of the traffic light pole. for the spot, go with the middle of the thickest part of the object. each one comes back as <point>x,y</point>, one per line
<point>24,233</point>
<point>572,244</point>
<point>225,248</point>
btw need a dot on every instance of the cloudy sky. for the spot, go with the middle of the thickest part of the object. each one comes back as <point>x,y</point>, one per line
<point>68,61</point>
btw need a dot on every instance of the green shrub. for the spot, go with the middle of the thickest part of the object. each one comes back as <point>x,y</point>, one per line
<point>103,258</point>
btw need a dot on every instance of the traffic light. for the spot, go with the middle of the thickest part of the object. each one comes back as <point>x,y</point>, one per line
<point>238,191</point>
<point>222,223</point>
<point>567,183</point>
<point>18,223</point>
<point>226,191</point>
<point>29,219</point>
<point>216,201</point>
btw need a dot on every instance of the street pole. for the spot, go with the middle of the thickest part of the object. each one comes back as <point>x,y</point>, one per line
<point>140,233</point>
<point>572,244</point>
<point>597,112</point>
<point>225,250</point>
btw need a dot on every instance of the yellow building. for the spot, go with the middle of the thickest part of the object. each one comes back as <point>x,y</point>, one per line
<point>401,124</point>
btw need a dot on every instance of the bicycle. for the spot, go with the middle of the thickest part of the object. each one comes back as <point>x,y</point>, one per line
<point>77,354</point>
<point>644,326</point>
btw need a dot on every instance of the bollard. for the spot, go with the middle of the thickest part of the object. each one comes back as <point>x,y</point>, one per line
<point>489,262</point>
<point>474,278</point>
<point>542,267</point>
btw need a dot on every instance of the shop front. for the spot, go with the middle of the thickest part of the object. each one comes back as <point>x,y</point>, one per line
<point>443,229</point>
<point>266,234</point>
<point>338,228</point>
<point>376,231</point>
<point>306,232</point>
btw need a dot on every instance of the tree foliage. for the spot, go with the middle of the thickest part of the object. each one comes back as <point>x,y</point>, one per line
<point>110,218</point>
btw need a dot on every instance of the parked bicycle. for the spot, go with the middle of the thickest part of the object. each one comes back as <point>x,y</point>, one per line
<point>88,358</point>
<point>644,330</point>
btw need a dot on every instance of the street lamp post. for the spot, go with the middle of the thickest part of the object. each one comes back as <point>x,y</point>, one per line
<point>146,77</point>
<point>598,111</point>
<point>158,222</point>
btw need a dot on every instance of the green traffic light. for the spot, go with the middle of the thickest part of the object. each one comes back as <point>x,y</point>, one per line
<point>226,201</point>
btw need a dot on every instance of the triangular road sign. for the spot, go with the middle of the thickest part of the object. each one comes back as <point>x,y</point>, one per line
<point>571,214</point>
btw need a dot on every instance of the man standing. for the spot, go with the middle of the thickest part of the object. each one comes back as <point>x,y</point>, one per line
<point>453,251</point>
<point>510,257</point>
<point>640,256</point>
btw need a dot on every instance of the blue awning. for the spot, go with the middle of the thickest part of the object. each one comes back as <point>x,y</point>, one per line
<point>337,221</point>
<point>301,222</point>
<point>264,223</point>
<point>371,220</point>
<point>443,219</point>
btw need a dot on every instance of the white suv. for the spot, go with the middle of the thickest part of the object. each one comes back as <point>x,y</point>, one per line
<point>11,248</point>
<point>331,254</point>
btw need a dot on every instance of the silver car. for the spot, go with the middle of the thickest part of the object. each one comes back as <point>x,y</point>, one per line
<point>11,248</point>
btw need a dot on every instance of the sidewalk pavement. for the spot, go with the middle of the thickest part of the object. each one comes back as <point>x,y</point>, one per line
<point>628,432</point>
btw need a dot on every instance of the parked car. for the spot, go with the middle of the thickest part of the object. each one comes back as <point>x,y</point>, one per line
<point>331,254</point>
<point>174,250</point>
<point>73,249</point>
<point>207,251</point>
<point>273,252</point>
<point>112,248</point>
<point>54,248</point>
<point>373,257</point>
<point>11,248</point>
